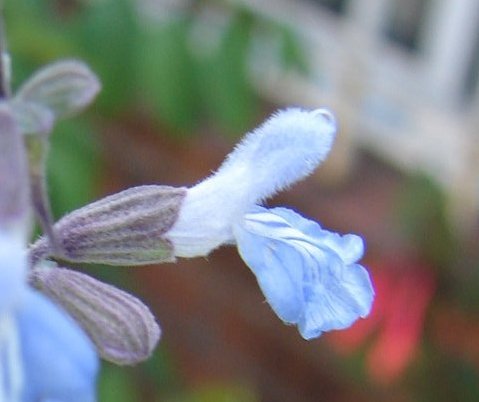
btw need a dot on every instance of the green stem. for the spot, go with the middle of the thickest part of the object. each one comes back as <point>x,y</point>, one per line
<point>4,58</point>
<point>37,147</point>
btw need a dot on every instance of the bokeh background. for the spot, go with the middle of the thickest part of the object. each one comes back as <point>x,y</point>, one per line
<point>183,80</point>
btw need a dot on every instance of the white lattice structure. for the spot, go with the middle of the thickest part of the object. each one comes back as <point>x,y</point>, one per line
<point>413,100</point>
<point>409,105</point>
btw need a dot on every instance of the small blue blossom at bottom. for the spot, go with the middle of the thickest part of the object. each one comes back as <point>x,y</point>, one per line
<point>59,360</point>
<point>309,276</point>
<point>44,354</point>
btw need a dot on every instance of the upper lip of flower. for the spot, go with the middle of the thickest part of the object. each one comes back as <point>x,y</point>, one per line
<point>283,150</point>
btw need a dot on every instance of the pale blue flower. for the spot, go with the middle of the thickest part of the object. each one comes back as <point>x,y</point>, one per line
<point>310,276</point>
<point>59,360</point>
<point>44,354</point>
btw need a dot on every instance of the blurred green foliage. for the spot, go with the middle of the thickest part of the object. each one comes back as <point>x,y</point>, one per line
<point>423,219</point>
<point>144,63</point>
<point>167,77</point>
<point>73,166</point>
<point>223,73</point>
<point>217,393</point>
<point>106,35</point>
<point>117,384</point>
<point>150,63</point>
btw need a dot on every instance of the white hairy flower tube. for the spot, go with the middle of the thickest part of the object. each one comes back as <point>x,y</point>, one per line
<point>284,149</point>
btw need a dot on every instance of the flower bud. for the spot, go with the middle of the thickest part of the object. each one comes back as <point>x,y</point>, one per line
<point>65,87</point>
<point>121,326</point>
<point>126,228</point>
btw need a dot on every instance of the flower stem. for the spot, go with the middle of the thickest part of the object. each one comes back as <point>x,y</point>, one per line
<point>37,148</point>
<point>4,58</point>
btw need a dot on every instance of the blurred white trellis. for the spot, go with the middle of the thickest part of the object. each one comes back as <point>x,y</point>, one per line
<point>401,75</point>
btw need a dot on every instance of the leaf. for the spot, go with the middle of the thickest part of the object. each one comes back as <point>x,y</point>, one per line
<point>73,166</point>
<point>225,86</point>
<point>28,20</point>
<point>292,54</point>
<point>107,32</point>
<point>117,384</point>
<point>167,76</point>
<point>422,218</point>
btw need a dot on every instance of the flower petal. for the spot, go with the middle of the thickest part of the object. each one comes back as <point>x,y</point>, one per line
<point>347,297</point>
<point>13,263</point>
<point>268,259</point>
<point>349,247</point>
<point>59,361</point>
<point>308,275</point>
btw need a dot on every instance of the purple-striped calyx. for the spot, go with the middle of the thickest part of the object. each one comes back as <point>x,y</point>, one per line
<point>122,328</point>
